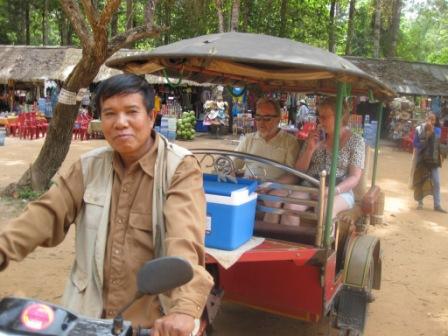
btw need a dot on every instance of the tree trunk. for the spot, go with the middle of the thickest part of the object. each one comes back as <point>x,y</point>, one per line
<point>167,20</point>
<point>220,16</point>
<point>332,28</point>
<point>235,15</point>
<point>57,142</point>
<point>114,25</point>
<point>45,23</point>
<point>129,14</point>
<point>27,23</point>
<point>91,26</point>
<point>377,29</point>
<point>247,10</point>
<point>350,28</point>
<point>69,34</point>
<point>391,51</point>
<point>283,18</point>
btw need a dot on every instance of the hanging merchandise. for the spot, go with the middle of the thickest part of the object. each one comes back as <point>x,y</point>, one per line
<point>236,91</point>
<point>168,80</point>
<point>216,113</point>
<point>403,113</point>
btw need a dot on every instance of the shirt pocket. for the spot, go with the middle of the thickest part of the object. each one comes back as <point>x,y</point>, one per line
<point>79,279</point>
<point>140,236</point>
<point>278,154</point>
<point>94,207</point>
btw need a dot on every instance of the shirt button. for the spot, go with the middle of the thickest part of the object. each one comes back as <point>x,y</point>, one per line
<point>117,251</point>
<point>125,189</point>
<point>119,220</point>
<point>114,282</point>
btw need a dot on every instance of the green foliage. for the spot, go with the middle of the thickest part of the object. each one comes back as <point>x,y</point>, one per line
<point>27,193</point>
<point>423,35</point>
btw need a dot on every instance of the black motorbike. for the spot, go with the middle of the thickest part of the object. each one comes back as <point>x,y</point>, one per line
<point>21,316</point>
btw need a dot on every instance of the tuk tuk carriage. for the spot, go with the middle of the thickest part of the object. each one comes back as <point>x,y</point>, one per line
<point>308,272</point>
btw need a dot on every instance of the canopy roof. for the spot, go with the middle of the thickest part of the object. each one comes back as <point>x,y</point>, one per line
<point>239,59</point>
<point>31,64</point>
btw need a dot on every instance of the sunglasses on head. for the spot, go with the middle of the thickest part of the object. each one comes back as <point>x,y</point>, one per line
<point>265,117</point>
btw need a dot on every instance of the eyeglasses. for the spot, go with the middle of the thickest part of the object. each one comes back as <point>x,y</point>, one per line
<point>266,118</point>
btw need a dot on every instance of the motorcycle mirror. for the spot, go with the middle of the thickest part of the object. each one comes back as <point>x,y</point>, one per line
<point>155,277</point>
<point>162,274</point>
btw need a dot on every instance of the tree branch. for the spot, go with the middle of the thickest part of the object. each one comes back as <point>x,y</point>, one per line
<point>73,13</point>
<point>130,36</point>
<point>91,12</point>
<point>109,9</point>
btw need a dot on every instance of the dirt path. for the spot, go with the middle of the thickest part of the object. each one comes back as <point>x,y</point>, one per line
<point>412,301</point>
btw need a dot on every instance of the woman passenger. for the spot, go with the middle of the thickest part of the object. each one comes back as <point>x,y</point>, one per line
<point>316,156</point>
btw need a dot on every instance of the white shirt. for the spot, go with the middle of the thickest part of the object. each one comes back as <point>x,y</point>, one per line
<point>283,148</point>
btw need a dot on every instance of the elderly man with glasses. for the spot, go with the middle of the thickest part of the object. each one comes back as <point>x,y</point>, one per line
<point>268,141</point>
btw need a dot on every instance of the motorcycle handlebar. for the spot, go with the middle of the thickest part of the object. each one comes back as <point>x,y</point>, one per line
<point>143,332</point>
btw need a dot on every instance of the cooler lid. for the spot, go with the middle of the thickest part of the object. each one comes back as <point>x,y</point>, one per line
<point>221,188</point>
<point>212,186</point>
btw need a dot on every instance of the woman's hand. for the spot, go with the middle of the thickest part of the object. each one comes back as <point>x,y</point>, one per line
<point>313,141</point>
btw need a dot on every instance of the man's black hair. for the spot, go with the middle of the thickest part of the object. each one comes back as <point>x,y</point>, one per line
<point>122,85</point>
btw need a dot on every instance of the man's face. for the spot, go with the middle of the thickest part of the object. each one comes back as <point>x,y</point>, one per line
<point>267,121</point>
<point>127,125</point>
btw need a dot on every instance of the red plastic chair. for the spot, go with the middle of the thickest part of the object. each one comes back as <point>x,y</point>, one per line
<point>13,128</point>
<point>81,126</point>
<point>306,129</point>
<point>42,126</point>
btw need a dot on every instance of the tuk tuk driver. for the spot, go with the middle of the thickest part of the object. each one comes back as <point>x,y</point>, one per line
<point>125,214</point>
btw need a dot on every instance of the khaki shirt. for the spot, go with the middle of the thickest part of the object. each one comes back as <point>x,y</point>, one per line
<point>130,242</point>
<point>282,148</point>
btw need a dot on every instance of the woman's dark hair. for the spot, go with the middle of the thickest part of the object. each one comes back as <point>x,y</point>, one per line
<point>122,85</point>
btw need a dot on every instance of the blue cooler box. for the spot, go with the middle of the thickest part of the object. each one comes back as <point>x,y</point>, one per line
<point>230,212</point>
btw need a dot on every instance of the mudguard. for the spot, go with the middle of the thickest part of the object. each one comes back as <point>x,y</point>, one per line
<point>361,250</point>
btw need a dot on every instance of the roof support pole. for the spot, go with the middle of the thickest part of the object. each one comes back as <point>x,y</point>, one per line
<point>342,90</point>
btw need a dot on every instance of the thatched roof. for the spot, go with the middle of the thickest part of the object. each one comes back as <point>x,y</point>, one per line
<point>407,78</point>
<point>31,64</point>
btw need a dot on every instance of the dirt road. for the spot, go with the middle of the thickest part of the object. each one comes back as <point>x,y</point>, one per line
<point>414,295</point>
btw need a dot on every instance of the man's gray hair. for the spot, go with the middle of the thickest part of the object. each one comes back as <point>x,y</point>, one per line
<point>273,102</point>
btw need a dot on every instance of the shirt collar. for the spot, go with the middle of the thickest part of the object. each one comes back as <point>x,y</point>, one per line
<point>258,136</point>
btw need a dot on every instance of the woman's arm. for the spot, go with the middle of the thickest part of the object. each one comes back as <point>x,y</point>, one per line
<point>356,165</point>
<point>354,176</point>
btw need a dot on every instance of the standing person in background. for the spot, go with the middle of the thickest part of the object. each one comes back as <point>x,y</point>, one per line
<point>426,162</point>
<point>302,114</point>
